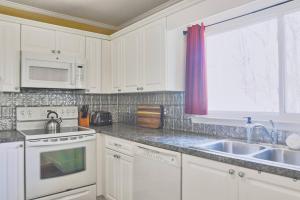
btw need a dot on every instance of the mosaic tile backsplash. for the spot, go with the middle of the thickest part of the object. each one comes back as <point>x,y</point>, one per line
<point>122,107</point>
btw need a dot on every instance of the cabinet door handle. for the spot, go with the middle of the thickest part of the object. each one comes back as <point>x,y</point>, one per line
<point>52,51</point>
<point>137,88</point>
<point>17,88</point>
<point>231,172</point>
<point>141,88</point>
<point>117,156</point>
<point>119,90</point>
<point>58,51</point>
<point>241,174</point>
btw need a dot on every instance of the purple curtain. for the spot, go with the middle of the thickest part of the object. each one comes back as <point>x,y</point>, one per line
<point>196,81</point>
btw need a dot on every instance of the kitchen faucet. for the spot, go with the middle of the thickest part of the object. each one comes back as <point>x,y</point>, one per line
<point>273,134</point>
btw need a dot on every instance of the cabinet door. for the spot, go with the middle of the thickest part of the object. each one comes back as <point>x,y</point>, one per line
<point>106,81</point>
<point>9,57</point>
<point>132,64</point>
<point>12,171</point>
<point>111,175</point>
<point>117,69</point>
<point>263,186</point>
<point>38,39</point>
<point>70,44</point>
<point>126,176</point>
<point>206,179</point>
<point>153,44</point>
<point>93,57</point>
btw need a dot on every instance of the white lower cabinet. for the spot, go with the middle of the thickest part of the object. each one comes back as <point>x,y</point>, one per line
<point>206,179</point>
<point>12,171</point>
<point>263,186</point>
<point>118,175</point>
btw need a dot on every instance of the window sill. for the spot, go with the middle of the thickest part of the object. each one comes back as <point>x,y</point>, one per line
<point>281,123</point>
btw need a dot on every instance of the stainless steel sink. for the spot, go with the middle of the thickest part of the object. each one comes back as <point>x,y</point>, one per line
<point>234,147</point>
<point>280,156</point>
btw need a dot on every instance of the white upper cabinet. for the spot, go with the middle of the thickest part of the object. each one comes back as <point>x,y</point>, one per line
<point>139,61</point>
<point>132,61</point>
<point>9,57</point>
<point>106,72</point>
<point>50,41</point>
<point>153,55</point>
<point>117,65</point>
<point>94,64</point>
<point>38,39</point>
<point>70,44</point>
<point>12,171</point>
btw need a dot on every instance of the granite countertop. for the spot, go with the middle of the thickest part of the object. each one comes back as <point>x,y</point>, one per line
<point>183,142</point>
<point>11,136</point>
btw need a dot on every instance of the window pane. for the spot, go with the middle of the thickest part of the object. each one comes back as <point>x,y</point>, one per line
<point>242,68</point>
<point>292,44</point>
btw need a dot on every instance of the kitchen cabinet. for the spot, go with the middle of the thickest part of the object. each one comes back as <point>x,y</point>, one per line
<point>262,186</point>
<point>118,181</point>
<point>9,57</point>
<point>139,61</point>
<point>206,179</point>
<point>38,39</point>
<point>153,55</point>
<point>12,171</point>
<point>70,44</point>
<point>98,66</point>
<point>100,164</point>
<point>118,169</point>
<point>44,40</point>
<point>132,62</point>
<point>117,65</point>
<point>106,75</point>
<point>94,64</point>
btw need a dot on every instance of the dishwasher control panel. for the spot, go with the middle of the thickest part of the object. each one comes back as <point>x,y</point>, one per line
<point>165,157</point>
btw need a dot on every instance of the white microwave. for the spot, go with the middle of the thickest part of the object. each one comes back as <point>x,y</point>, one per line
<point>40,70</point>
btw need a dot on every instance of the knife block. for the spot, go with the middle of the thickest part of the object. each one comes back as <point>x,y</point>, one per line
<point>84,122</point>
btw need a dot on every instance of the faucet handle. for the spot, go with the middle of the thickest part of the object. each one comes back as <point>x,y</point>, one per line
<point>249,120</point>
<point>272,124</point>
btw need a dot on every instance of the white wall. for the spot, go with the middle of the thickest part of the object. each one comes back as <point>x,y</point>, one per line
<point>202,10</point>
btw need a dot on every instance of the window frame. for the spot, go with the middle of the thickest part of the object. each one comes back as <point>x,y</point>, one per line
<point>282,118</point>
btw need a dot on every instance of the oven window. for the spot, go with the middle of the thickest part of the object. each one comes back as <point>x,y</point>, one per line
<point>62,162</point>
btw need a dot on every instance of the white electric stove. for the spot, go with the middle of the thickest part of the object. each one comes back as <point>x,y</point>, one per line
<point>59,165</point>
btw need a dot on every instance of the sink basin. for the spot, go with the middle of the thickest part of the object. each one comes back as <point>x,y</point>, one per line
<point>281,156</point>
<point>234,147</point>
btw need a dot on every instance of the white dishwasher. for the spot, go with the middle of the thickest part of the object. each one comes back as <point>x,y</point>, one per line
<point>156,174</point>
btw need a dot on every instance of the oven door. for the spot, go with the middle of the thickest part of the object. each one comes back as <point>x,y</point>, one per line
<point>54,166</point>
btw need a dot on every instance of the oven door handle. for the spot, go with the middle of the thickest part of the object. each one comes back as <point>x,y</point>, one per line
<point>74,196</point>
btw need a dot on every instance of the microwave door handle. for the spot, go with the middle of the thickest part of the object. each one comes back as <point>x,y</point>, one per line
<point>73,74</point>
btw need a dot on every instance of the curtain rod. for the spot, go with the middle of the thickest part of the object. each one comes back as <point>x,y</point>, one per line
<point>250,13</point>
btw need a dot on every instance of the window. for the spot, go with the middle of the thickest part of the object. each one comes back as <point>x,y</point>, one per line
<point>255,68</point>
<point>242,67</point>
<point>292,62</point>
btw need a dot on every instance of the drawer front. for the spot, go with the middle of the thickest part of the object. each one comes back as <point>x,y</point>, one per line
<point>119,145</point>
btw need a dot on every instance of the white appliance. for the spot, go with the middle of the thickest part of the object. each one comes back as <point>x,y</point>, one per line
<point>163,169</point>
<point>59,165</point>
<point>41,70</point>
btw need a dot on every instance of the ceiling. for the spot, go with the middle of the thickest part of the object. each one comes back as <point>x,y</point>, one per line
<point>110,12</point>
